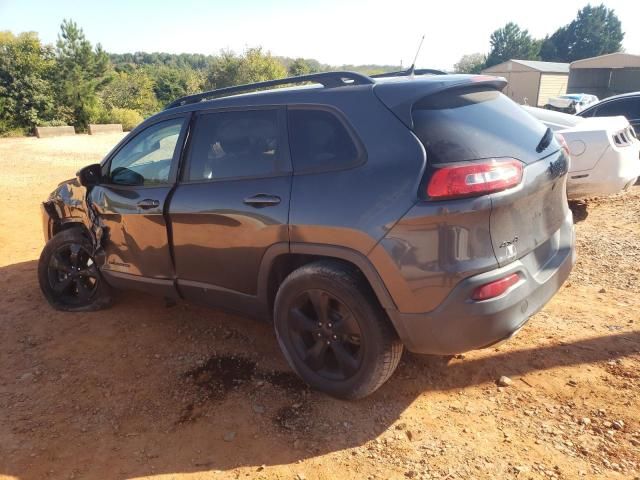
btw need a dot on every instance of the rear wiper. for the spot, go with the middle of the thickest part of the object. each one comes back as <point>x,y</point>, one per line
<point>545,141</point>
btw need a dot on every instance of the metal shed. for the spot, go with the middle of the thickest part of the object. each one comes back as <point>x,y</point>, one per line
<point>605,75</point>
<point>532,82</point>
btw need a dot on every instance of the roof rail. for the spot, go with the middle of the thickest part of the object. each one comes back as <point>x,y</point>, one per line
<point>327,79</point>
<point>408,72</point>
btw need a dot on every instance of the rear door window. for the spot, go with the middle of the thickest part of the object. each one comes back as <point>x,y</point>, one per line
<point>476,123</point>
<point>320,141</point>
<point>235,144</point>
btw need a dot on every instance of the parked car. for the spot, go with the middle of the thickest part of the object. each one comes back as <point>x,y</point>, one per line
<point>605,153</point>
<point>358,215</point>
<point>627,105</point>
<point>571,103</point>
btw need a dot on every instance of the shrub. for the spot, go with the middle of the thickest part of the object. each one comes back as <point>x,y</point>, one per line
<point>128,118</point>
<point>14,132</point>
<point>52,123</point>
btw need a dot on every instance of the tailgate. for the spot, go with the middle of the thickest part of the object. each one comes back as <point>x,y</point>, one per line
<point>465,125</point>
<point>524,219</point>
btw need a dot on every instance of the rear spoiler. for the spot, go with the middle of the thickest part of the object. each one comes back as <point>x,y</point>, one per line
<point>400,97</point>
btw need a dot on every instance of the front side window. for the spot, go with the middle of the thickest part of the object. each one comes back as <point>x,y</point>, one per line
<point>146,159</point>
<point>234,144</point>
<point>319,141</point>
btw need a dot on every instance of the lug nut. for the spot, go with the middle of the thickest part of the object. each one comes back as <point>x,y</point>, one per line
<point>319,324</point>
<point>319,334</point>
<point>335,337</point>
<point>329,325</point>
<point>328,342</point>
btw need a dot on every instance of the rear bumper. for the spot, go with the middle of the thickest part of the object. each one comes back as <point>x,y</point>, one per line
<point>460,324</point>
<point>614,172</point>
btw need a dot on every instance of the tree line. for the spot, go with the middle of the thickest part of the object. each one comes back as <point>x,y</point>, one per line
<point>76,83</point>
<point>594,31</point>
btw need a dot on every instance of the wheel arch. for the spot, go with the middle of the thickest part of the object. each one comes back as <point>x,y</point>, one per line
<point>282,259</point>
<point>55,227</point>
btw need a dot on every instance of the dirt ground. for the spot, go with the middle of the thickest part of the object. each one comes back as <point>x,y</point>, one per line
<point>148,391</point>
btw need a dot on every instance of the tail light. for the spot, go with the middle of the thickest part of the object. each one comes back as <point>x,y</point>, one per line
<point>563,143</point>
<point>496,288</point>
<point>472,179</point>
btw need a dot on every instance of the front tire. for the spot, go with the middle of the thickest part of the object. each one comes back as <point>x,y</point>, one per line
<point>68,276</point>
<point>333,332</point>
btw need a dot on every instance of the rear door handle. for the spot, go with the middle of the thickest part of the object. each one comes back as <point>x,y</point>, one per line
<point>262,200</point>
<point>148,203</point>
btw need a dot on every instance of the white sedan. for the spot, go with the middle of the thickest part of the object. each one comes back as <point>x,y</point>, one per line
<point>605,153</point>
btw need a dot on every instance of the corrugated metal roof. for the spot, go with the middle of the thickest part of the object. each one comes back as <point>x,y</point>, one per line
<point>545,67</point>
<point>610,60</point>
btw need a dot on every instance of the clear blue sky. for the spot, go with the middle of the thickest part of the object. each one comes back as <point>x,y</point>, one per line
<point>331,31</point>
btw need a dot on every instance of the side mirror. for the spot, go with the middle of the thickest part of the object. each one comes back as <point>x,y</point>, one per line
<point>151,146</point>
<point>90,175</point>
<point>124,176</point>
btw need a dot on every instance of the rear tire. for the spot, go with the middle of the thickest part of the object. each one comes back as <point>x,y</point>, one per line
<point>68,276</point>
<point>333,332</point>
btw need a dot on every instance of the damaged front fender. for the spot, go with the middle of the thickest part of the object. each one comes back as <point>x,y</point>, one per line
<point>70,205</point>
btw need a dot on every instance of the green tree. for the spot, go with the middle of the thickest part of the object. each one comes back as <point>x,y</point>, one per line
<point>472,63</point>
<point>252,66</point>
<point>511,42</point>
<point>549,50</point>
<point>595,31</point>
<point>26,94</point>
<point>299,67</point>
<point>170,83</point>
<point>134,91</point>
<point>224,71</point>
<point>128,118</point>
<point>81,72</point>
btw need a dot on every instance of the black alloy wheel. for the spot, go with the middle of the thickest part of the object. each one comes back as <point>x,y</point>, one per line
<point>333,332</point>
<point>69,276</point>
<point>325,334</point>
<point>72,274</point>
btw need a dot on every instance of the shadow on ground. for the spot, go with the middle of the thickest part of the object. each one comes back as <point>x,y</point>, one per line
<point>579,210</point>
<point>143,389</point>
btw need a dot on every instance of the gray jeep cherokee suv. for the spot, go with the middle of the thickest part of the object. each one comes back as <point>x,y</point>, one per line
<point>359,215</point>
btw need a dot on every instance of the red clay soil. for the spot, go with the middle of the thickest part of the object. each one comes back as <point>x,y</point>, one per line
<point>146,390</point>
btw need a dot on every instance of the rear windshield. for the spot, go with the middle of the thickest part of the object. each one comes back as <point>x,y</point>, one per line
<point>476,123</point>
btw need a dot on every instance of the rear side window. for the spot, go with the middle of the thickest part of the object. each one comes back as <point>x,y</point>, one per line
<point>473,124</point>
<point>234,144</point>
<point>627,107</point>
<point>319,141</point>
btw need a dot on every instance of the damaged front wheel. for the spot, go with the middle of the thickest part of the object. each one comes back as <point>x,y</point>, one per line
<point>68,276</point>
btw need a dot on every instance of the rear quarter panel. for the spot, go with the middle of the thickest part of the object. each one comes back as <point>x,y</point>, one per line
<point>434,247</point>
<point>356,207</point>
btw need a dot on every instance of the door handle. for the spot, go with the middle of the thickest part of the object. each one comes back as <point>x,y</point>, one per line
<point>148,203</point>
<point>262,200</point>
